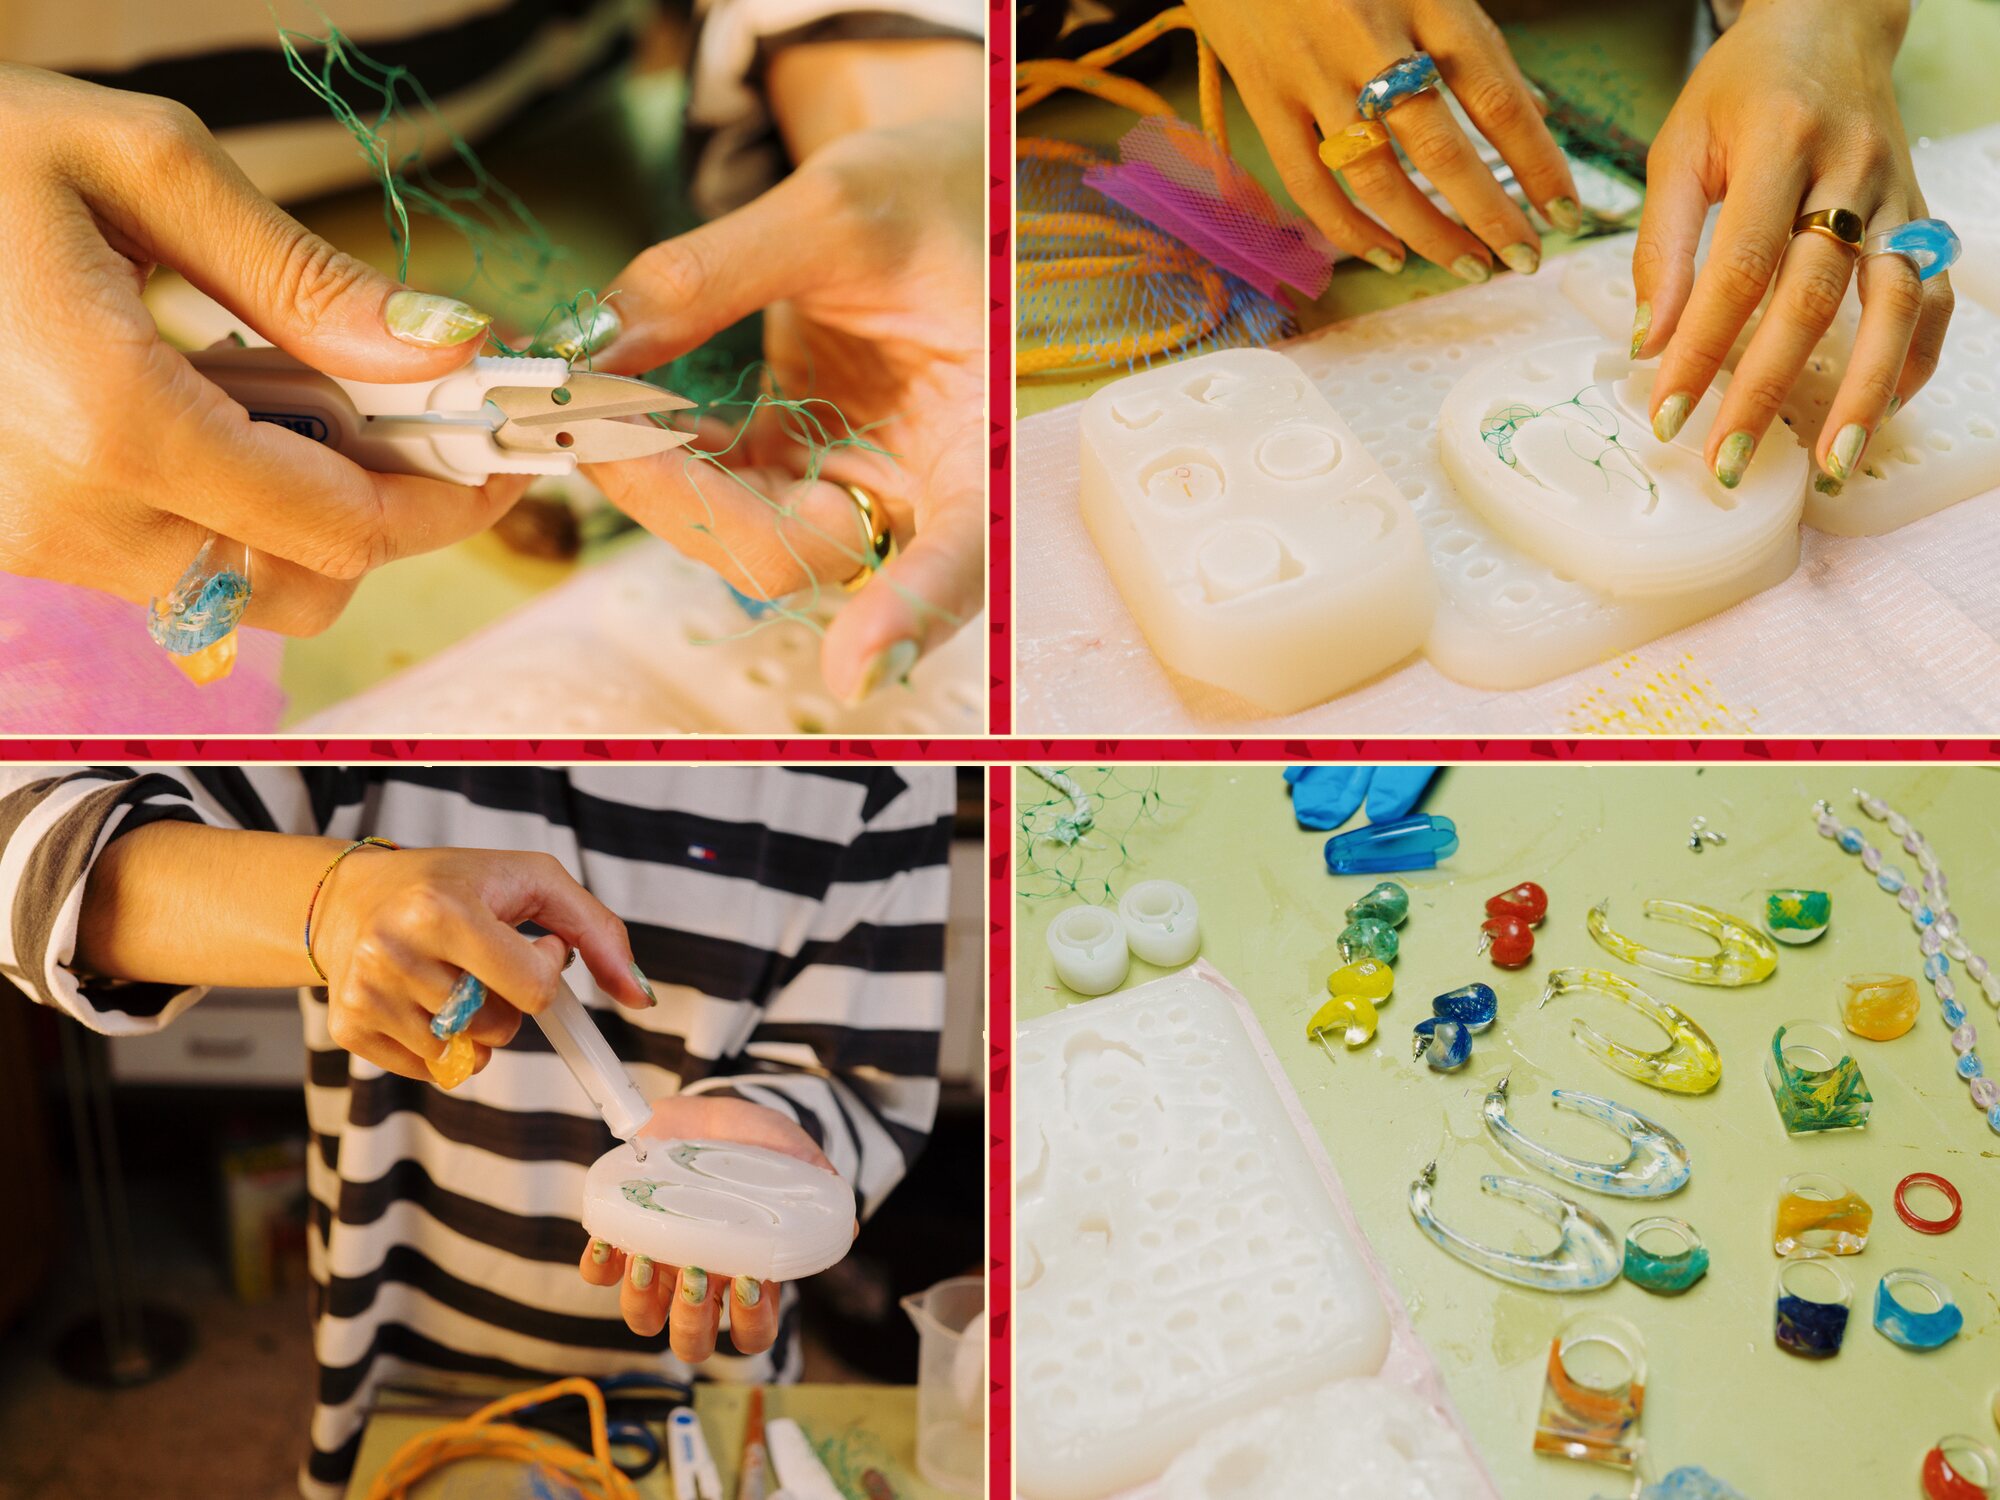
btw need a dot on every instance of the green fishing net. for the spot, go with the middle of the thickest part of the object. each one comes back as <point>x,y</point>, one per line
<point>1074,826</point>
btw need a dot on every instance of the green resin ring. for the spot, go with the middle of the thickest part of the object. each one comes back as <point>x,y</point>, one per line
<point>1669,1273</point>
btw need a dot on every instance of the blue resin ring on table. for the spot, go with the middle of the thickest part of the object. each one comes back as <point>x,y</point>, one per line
<point>1901,1324</point>
<point>1667,1274</point>
<point>1807,1326</point>
<point>1929,245</point>
<point>1403,78</point>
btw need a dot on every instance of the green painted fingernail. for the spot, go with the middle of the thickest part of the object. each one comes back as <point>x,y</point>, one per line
<point>1733,457</point>
<point>642,1271</point>
<point>1382,260</point>
<point>749,1290</point>
<point>1826,484</point>
<point>694,1284</point>
<point>1471,268</point>
<point>1642,324</point>
<point>891,664</point>
<point>1522,258</point>
<point>1564,214</point>
<point>1846,450</point>
<point>433,322</point>
<point>1672,413</point>
<point>1895,405</point>
<point>640,979</point>
<point>600,1251</point>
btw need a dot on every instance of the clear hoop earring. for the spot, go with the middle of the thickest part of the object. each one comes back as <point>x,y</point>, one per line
<point>1688,1064</point>
<point>1744,956</point>
<point>1588,1255</point>
<point>1655,1163</point>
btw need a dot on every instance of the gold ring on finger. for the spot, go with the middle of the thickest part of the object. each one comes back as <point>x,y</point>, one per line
<point>879,540</point>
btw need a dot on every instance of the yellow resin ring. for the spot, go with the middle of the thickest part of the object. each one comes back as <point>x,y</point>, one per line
<point>875,526</point>
<point>1842,225</point>
<point>1345,147</point>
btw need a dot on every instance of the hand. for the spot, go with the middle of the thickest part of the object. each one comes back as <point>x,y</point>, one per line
<point>394,930</point>
<point>116,458</point>
<point>648,1290</point>
<point>1301,66</point>
<point>869,263</point>
<point>1790,111</point>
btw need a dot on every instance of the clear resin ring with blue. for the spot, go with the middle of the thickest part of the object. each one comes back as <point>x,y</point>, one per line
<point>1669,1273</point>
<point>1443,1043</point>
<point>1902,1324</point>
<point>1399,81</point>
<point>1929,245</point>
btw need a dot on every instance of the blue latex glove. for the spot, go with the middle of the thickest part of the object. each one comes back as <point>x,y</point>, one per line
<point>1327,796</point>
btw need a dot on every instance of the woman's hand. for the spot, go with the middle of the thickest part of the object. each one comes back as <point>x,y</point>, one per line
<point>689,1299</point>
<point>1790,112</point>
<point>1300,68</point>
<point>869,262</point>
<point>394,930</point>
<point>116,458</point>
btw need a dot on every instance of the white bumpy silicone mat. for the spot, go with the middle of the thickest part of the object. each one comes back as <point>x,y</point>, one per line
<point>1185,1260</point>
<point>1888,617</point>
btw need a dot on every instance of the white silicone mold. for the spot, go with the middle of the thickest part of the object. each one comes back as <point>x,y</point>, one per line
<point>733,1210</point>
<point>1179,1261</point>
<point>1256,542</point>
<point>1553,445</point>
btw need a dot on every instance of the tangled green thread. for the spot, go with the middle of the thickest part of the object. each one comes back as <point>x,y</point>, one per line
<point>1587,422</point>
<point>1056,857</point>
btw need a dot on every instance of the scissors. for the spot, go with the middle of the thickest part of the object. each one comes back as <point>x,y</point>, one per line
<point>496,415</point>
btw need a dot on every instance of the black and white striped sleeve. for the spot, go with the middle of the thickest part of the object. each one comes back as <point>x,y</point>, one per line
<point>847,1042</point>
<point>55,823</point>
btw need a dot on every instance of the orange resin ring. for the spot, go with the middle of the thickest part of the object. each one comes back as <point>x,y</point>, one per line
<point>1344,147</point>
<point>1929,1226</point>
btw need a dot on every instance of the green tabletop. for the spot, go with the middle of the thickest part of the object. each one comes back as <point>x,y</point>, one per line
<point>1720,1393</point>
<point>1623,62</point>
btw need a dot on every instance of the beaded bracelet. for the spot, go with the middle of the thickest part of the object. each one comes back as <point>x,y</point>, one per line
<point>1938,939</point>
<point>324,876</point>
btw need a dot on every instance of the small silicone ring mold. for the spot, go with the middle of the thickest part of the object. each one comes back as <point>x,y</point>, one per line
<point>1089,949</point>
<point>1915,1220</point>
<point>1808,1326</point>
<point>1162,922</point>
<point>1667,1275</point>
<point>1902,1324</point>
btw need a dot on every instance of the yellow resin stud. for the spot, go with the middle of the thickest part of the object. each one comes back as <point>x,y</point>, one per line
<point>1356,988</point>
<point>1880,1007</point>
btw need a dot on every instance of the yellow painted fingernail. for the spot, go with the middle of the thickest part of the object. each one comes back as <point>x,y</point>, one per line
<point>749,1290</point>
<point>1382,260</point>
<point>1642,324</point>
<point>892,663</point>
<point>642,1271</point>
<point>1522,258</point>
<point>1471,268</point>
<point>1672,413</point>
<point>694,1284</point>
<point>433,322</point>
<point>1846,450</point>
<point>1564,214</point>
<point>1733,457</point>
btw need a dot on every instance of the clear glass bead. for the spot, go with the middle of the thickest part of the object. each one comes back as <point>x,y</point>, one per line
<point>1827,824</point>
<point>1964,1039</point>
<point>1875,807</point>
<point>1891,879</point>
<point>1936,966</point>
<point>1946,990</point>
<point>1947,924</point>
<point>1954,1013</point>
<point>1924,915</point>
<point>1908,898</point>
<point>1871,859</point>
<point>1976,966</point>
<point>1851,840</point>
<point>1985,1092</point>
<point>1969,1068</point>
<point>1913,842</point>
<point>1934,882</point>
<point>1898,824</point>
<point>1956,948</point>
<point>1930,942</point>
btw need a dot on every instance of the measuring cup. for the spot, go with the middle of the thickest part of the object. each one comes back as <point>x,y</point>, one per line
<point>951,1383</point>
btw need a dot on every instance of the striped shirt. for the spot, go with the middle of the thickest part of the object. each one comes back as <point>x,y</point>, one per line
<point>791,922</point>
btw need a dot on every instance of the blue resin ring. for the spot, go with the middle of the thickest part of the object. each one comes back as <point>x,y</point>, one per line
<point>1901,1324</point>
<point>1807,1326</point>
<point>1443,1043</point>
<point>1403,78</point>
<point>1667,1274</point>
<point>1929,245</point>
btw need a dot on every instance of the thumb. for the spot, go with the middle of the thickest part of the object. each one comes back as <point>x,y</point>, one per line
<point>340,315</point>
<point>682,292</point>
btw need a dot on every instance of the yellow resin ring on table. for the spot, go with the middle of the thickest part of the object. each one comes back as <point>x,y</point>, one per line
<point>1842,225</point>
<point>1344,147</point>
<point>875,526</point>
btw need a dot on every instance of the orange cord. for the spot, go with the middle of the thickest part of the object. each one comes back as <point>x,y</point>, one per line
<point>483,1435</point>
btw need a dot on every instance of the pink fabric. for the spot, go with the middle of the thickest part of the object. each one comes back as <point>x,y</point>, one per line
<point>1175,178</point>
<point>74,661</point>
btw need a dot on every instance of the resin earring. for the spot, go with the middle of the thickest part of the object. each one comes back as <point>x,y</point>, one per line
<point>1655,1162</point>
<point>1820,1215</point>
<point>1833,1096</point>
<point>1443,1043</point>
<point>1587,1256</point>
<point>1745,955</point>
<point>1667,1274</point>
<point>1595,1420</point>
<point>1811,1327</point>
<point>1356,990</point>
<point>1473,1006</point>
<point>1688,1064</point>
<point>1901,1324</point>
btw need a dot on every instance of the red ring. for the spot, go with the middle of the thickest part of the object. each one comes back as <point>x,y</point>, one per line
<point>1943,1482</point>
<point>1929,1226</point>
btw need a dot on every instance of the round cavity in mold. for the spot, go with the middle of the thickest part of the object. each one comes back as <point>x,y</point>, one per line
<point>1517,594</point>
<point>1940,441</point>
<point>1136,412</point>
<point>1183,479</point>
<point>1240,558</point>
<point>1298,453</point>
<point>1413,488</point>
<point>1481,567</point>
<point>1978,383</point>
<point>1457,542</point>
<point>1979,427</point>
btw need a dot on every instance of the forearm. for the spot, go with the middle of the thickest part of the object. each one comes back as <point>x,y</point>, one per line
<point>180,903</point>
<point>821,91</point>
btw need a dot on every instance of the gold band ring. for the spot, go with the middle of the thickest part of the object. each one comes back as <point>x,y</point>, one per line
<point>1841,225</point>
<point>881,541</point>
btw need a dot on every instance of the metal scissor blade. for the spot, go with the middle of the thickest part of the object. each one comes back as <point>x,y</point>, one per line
<point>593,441</point>
<point>583,396</point>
